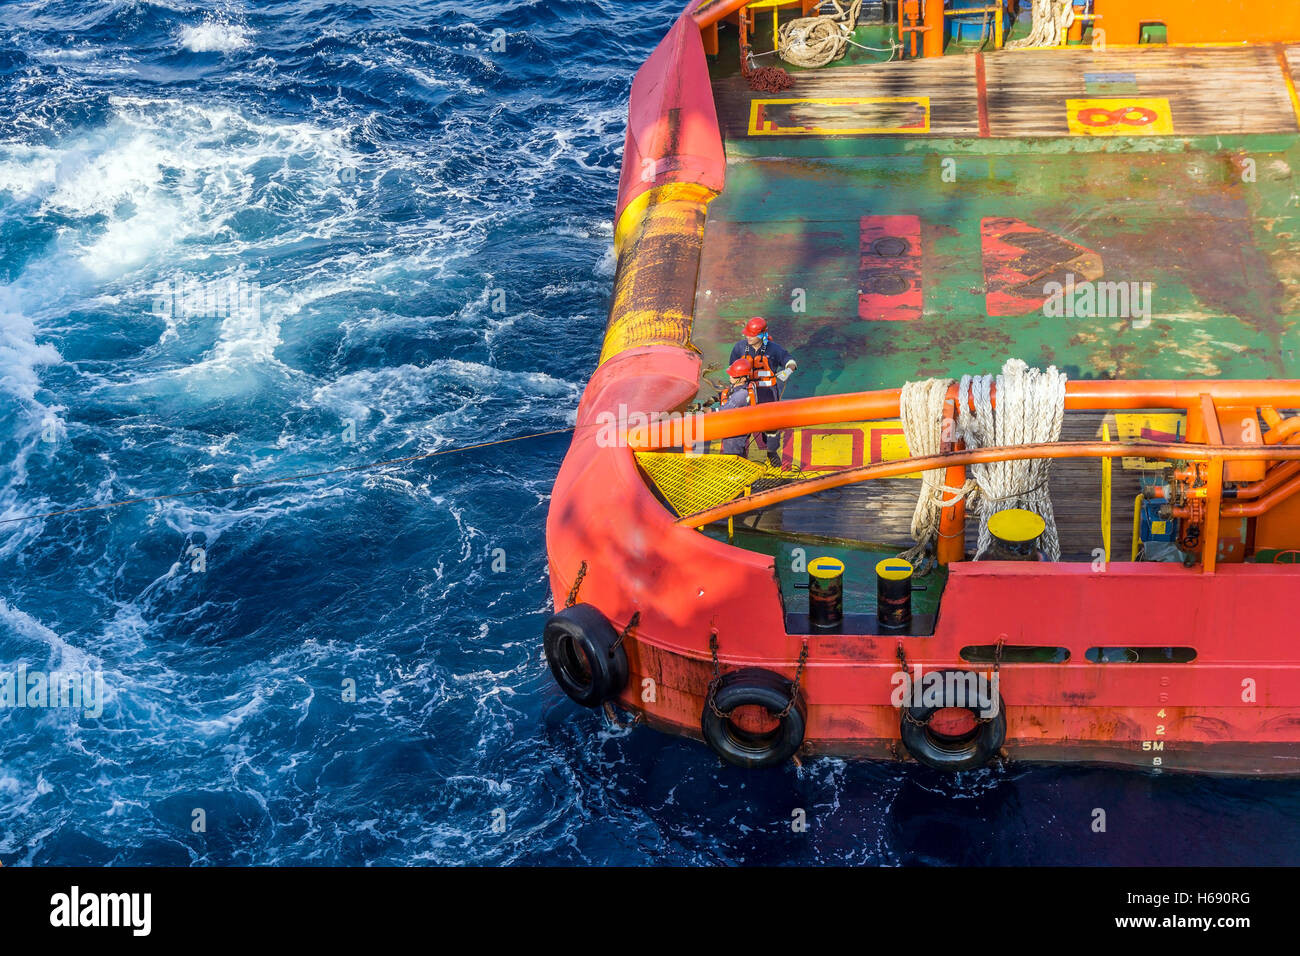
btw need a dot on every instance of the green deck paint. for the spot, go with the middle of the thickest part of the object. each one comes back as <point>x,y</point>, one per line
<point>1220,256</point>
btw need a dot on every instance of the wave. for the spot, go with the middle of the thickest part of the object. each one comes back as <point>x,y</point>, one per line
<point>215,35</point>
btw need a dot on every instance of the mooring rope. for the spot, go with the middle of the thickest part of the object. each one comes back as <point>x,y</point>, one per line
<point>1030,409</point>
<point>815,41</point>
<point>921,410</point>
<point>1052,18</point>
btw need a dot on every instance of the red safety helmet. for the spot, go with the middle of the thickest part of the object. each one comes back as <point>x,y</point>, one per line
<point>741,368</point>
<point>756,326</point>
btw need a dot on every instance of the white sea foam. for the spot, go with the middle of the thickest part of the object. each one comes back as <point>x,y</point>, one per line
<point>163,171</point>
<point>27,420</point>
<point>62,655</point>
<point>215,36</point>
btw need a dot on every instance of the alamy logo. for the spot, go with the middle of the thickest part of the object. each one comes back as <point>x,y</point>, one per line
<point>1088,300</point>
<point>664,429</point>
<point>965,689</point>
<point>74,908</point>
<point>82,690</point>
<point>182,298</point>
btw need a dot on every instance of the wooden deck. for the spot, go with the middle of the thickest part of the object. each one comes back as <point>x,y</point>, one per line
<point>1075,92</point>
<point>879,513</point>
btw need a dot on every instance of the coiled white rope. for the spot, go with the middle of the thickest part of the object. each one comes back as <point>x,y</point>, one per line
<point>1052,18</point>
<point>921,409</point>
<point>816,41</point>
<point>1030,409</point>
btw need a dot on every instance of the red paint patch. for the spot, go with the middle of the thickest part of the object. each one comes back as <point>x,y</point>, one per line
<point>1020,260</point>
<point>889,277</point>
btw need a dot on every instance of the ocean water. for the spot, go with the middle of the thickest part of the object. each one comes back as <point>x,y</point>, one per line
<point>251,239</point>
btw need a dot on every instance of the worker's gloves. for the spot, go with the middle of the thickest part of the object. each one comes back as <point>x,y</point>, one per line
<point>784,374</point>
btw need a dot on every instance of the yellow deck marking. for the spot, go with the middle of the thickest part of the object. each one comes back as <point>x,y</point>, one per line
<point>1120,116</point>
<point>849,445</point>
<point>1106,466</point>
<point>917,123</point>
<point>1290,83</point>
<point>1130,427</point>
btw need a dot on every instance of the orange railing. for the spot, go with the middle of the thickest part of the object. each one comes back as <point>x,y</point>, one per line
<point>1205,443</point>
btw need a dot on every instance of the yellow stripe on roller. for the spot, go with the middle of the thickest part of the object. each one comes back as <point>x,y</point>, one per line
<point>634,212</point>
<point>659,238</point>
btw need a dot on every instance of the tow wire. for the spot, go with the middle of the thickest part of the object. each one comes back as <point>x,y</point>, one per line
<point>286,479</point>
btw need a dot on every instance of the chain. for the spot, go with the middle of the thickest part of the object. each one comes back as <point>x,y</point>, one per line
<point>717,676</point>
<point>572,599</point>
<point>630,629</point>
<point>717,679</point>
<point>997,666</point>
<point>794,688</point>
<point>907,711</point>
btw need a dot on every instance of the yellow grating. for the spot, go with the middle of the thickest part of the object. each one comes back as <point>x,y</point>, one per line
<point>695,483</point>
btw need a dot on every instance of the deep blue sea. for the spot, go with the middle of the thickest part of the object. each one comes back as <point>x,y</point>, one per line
<point>252,239</point>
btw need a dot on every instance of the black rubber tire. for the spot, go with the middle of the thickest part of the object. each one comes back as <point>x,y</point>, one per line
<point>578,642</point>
<point>753,686</point>
<point>942,752</point>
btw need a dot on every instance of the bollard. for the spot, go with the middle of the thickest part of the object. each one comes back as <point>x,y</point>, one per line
<point>894,595</point>
<point>1015,535</point>
<point>826,593</point>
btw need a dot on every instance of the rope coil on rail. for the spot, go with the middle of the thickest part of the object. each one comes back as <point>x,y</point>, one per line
<point>921,409</point>
<point>1030,410</point>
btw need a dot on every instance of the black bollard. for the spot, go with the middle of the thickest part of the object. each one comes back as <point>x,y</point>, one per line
<point>826,593</point>
<point>894,595</point>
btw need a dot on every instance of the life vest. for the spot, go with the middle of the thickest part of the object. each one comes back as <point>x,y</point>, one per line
<point>763,374</point>
<point>748,387</point>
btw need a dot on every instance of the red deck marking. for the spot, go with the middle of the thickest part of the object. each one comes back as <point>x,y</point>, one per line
<point>1020,260</point>
<point>889,277</point>
<point>982,89</point>
<point>1125,116</point>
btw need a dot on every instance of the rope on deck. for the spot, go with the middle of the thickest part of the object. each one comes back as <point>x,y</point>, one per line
<point>815,41</point>
<point>1030,410</point>
<point>1052,18</point>
<point>921,410</point>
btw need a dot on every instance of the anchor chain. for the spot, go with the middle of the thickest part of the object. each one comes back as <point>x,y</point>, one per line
<point>572,599</point>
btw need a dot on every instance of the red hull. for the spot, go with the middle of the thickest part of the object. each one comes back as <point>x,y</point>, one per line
<point>1234,709</point>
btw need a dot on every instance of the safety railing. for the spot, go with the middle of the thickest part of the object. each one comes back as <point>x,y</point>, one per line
<point>1205,444</point>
